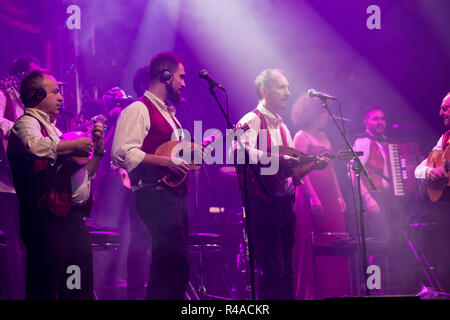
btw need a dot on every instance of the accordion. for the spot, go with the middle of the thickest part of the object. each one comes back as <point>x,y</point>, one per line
<point>403,159</point>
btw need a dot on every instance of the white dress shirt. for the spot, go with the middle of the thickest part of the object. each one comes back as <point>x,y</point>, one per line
<point>132,128</point>
<point>249,138</point>
<point>28,131</point>
<point>421,169</point>
<point>363,144</point>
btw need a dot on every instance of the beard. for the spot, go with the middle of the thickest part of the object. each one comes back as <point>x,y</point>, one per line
<point>174,95</point>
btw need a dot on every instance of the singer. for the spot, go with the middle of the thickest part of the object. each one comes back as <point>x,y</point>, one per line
<point>319,207</point>
<point>142,127</point>
<point>272,220</point>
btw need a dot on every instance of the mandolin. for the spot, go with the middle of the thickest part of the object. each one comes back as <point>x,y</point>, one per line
<point>72,135</point>
<point>441,161</point>
<point>304,159</point>
<point>303,166</point>
<point>171,148</point>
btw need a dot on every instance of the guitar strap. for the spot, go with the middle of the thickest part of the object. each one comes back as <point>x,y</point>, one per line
<point>264,126</point>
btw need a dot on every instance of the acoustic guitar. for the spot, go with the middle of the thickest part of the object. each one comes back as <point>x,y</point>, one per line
<point>303,166</point>
<point>304,159</point>
<point>441,161</point>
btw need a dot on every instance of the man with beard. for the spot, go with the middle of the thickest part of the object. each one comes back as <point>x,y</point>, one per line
<point>383,216</point>
<point>142,127</point>
<point>374,145</point>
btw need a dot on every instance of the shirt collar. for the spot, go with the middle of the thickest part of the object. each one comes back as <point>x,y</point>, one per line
<point>41,115</point>
<point>274,119</point>
<point>381,138</point>
<point>164,106</point>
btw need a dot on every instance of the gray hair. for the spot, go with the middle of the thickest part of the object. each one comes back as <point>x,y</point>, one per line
<point>264,80</point>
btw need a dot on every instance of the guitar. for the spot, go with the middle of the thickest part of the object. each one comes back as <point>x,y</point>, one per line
<point>304,159</point>
<point>303,166</point>
<point>441,161</point>
<point>72,135</point>
<point>171,148</point>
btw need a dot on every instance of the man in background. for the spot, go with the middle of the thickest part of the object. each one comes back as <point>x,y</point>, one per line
<point>12,258</point>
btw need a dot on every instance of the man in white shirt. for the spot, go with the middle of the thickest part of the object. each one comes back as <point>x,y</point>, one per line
<point>438,236</point>
<point>424,171</point>
<point>272,221</point>
<point>374,146</point>
<point>142,127</point>
<point>383,211</point>
<point>54,193</point>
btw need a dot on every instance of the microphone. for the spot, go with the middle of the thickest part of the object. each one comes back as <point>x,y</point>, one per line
<point>342,119</point>
<point>396,126</point>
<point>184,100</point>
<point>212,83</point>
<point>314,94</point>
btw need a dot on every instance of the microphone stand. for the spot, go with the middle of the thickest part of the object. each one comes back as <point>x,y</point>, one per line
<point>244,193</point>
<point>358,168</point>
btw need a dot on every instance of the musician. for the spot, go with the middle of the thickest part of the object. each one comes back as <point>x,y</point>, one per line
<point>423,171</point>
<point>374,145</point>
<point>54,194</point>
<point>142,127</point>
<point>320,207</point>
<point>12,259</point>
<point>383,211</point>
<point>272,219</point>
<point>438,236</point>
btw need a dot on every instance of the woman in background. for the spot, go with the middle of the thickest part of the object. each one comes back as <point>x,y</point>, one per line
<point>319,207</point>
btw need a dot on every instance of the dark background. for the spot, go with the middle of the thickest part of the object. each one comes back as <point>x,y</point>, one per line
<point>324,44</point>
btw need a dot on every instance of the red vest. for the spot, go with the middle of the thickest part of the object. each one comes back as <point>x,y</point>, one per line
<point>271,182</point>
<point>264,126</point>
<point>40,185</point>
<point>375,165</point>
<point>446,140</point>
<point>160,132</point>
